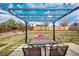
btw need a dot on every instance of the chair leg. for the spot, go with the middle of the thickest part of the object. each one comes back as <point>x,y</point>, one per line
<point>45,51</point>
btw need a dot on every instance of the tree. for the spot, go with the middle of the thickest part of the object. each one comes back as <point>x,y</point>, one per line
<point>2,25</point>
<point>75,24</point>
<point>64,24</point>
<point>76,27</point>
<point>8,24</point>
<point>11,23</point>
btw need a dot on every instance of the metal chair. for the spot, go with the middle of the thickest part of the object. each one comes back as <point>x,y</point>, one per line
<point>62,50</point>
<point>35,51</point>
<point>58,50</point>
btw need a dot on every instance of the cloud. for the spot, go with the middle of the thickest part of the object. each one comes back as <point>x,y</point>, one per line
<point>4,17</point>
<point>4,12</point>
<point>11,6</point>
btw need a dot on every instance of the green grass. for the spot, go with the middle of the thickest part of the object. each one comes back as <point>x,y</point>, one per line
<point>68,36</point>
<point>11,43</point>
<point>34,34</point>
<point>65,36</point>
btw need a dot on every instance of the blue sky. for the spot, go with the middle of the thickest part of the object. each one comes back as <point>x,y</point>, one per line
<point>39,5</point>
<point>70,18</point>
<point>4,16</point>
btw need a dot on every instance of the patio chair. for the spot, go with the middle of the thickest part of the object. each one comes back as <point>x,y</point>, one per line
<point>35,51</point>
<point>53,51</point>
<point>62,50</point>
<point>58,50</point>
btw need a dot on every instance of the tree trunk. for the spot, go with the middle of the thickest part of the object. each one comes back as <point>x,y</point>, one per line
<point>64,28</point>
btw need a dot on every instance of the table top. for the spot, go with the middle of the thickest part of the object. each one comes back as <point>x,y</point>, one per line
<point>41,42</point>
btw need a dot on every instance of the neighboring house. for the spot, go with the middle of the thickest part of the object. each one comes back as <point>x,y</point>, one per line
<point>50,28</point>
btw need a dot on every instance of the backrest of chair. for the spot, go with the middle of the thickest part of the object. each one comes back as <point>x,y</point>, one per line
<point>58,50</point>
<point>35,51</point>
<point>53,51</point>
<point>62,50</point>
<point>25,51</point>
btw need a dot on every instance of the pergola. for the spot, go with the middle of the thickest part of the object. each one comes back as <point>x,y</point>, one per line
<point>40,12</point>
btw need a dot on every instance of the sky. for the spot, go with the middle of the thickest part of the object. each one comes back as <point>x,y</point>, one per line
<point>73,17</point>
<point>4,16</point>
<point>39,5</point>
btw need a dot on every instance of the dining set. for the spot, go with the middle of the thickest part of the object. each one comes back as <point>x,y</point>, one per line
<point>35,48</point>
<point>54,51</point>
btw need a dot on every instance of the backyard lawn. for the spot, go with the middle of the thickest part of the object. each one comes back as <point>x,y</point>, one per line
<point>10,41</point>
<point>61,36</point>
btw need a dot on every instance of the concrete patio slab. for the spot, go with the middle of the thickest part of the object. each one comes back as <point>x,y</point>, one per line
<point>73,50</point>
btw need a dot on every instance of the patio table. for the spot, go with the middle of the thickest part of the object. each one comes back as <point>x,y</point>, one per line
<point>41,42</point>
<point>44,42</point>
